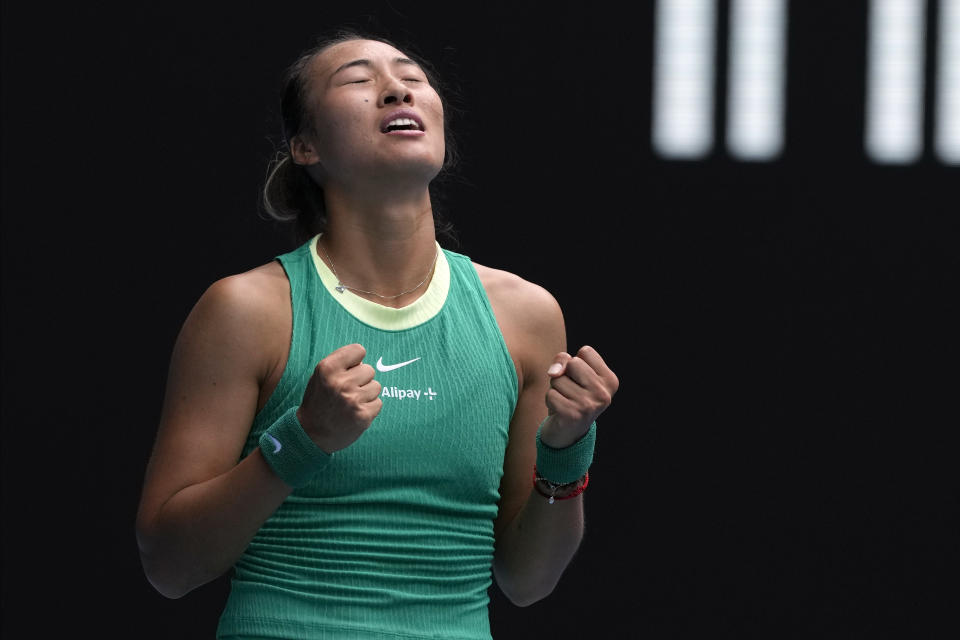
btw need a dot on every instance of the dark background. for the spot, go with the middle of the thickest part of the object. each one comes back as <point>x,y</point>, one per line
<point>779,461</point>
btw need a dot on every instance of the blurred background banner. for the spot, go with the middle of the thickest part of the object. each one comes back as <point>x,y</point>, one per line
<point>748,207</point>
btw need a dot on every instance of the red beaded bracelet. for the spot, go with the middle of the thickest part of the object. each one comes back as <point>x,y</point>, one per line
<point>553,487</point>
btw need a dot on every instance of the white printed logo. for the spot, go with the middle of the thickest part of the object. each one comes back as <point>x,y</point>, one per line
<point>406,394</point>
<point>391,367</point>
<point>403,394</point>
<point>276,443</point>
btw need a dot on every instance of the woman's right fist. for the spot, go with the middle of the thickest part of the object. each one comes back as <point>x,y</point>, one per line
<point>341,399</point>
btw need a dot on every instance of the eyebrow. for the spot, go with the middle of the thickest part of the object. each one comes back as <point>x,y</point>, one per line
<point>363,62</point>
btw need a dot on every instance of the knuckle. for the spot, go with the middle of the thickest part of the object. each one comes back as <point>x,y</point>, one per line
<point>369,413</point>
<point>355,411</point>
<point>324,367</point>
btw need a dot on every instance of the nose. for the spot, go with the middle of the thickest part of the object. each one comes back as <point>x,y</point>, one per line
<point>396,92</point>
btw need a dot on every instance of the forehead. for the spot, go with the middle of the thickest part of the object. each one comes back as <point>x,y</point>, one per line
<point>329,60</point>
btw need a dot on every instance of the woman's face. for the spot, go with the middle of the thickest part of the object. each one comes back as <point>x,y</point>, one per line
<point>373,114</point>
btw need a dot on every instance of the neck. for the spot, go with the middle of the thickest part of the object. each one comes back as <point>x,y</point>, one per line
<point>387,247</point>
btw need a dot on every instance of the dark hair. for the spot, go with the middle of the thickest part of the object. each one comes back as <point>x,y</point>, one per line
<point>289,193</point>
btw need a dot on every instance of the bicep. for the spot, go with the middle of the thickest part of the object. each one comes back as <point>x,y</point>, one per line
<point>210,398</point>
<point>534,339</point>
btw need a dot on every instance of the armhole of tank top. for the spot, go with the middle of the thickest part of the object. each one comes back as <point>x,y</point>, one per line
<point>511,366</point>
<point>267,406</point>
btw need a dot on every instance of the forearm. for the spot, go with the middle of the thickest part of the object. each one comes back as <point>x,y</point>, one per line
<point>201,531</point>
<point>535,549</point>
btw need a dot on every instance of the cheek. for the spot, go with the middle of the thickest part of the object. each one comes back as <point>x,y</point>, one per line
<point>434,111</point>
<point>343,134</point>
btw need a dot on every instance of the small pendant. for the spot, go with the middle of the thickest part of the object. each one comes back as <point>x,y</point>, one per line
<point>550,501</point>
<point>339,288</point>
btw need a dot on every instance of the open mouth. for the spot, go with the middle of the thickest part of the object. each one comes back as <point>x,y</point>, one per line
<point>402,124</point>
<point>401,120</point>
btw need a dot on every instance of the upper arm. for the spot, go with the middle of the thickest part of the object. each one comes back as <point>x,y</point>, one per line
<point>222,354</point>
<point>535,333</point>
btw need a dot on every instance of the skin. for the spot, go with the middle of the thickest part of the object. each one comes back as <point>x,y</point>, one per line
<point>199,507</point>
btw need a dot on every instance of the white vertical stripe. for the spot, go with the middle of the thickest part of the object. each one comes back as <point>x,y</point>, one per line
<point>755,98</point>
<point>947,112</point>
<point>894,109</point>
<point>684,78</point>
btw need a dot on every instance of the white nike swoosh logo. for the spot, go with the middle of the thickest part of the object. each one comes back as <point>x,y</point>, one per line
<point>391,367</point>
<point>276,443</point>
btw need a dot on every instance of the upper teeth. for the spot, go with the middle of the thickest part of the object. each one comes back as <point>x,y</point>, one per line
<point>399,122</point>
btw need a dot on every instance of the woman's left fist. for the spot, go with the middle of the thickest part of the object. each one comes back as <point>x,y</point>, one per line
<point>581,388</point>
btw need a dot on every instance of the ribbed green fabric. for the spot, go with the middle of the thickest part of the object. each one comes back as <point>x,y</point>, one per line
<point>561,466</point>
<point>394,538</point>
<point>290,452</point>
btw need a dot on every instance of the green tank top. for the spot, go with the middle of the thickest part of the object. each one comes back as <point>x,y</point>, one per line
<point>394,539</point>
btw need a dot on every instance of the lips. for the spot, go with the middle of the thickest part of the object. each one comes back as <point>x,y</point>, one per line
<point>402,120</point>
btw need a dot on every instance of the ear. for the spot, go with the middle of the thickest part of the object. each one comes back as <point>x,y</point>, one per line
<point>303,152</point>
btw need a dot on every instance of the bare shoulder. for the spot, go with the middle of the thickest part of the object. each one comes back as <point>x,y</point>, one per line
<point>529,316</point>
<point>258,294</point>
<point>521,303</point>
<point>244,316</point>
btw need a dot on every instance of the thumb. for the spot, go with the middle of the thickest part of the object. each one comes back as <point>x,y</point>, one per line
<point>559,365</point>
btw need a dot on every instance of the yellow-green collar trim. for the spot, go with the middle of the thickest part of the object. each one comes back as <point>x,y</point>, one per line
<point>380,316</point>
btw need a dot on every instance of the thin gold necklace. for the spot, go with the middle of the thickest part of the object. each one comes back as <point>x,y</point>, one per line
<point>340,286</point>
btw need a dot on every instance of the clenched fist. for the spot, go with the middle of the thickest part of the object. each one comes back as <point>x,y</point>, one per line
<point>341,399</point>
<point>581,388</point>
